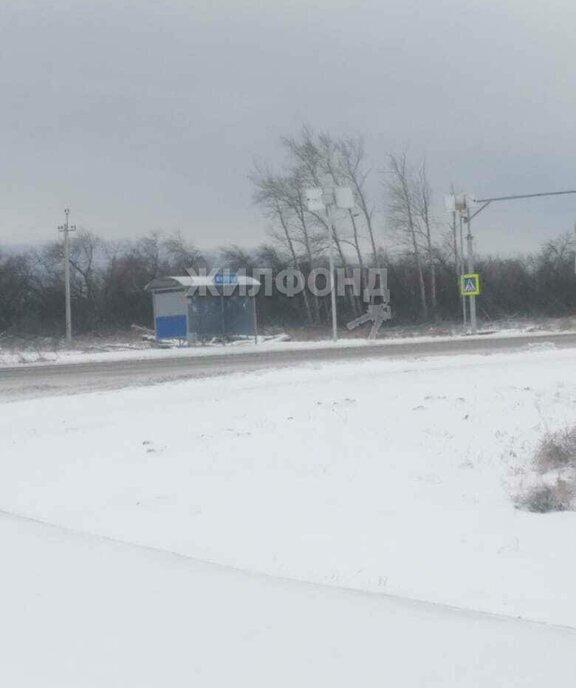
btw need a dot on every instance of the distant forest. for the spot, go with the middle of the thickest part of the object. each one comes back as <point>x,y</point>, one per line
<point>394,224</point>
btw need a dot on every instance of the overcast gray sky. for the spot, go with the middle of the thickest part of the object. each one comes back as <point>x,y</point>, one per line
<point>143,115</point>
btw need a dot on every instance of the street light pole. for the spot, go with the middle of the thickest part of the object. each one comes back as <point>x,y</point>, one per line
<point>320,199</point>
<point>461,203</point>
<point>331,267</point>
<point>470,260</point>
<point>66,228</point>
<point>461,269</point>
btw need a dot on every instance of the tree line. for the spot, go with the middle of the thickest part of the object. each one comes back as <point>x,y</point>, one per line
<point>401,232</point>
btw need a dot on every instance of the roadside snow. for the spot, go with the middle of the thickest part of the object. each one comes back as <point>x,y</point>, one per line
<point>386,476</point>
<point>13,358</point>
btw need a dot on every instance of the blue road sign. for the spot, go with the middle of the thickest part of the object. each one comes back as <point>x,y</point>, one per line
<point>225,278</point>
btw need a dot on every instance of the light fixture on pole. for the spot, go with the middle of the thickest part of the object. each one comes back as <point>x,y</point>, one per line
<point>450,203</point>
<point>66,228</point>
<point>318,200</point>
<point>459,204</point>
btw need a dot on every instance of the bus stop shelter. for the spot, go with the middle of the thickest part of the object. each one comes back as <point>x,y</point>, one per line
<point>200,308</point>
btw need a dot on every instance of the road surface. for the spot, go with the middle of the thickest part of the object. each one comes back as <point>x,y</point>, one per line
<point>46,380</point>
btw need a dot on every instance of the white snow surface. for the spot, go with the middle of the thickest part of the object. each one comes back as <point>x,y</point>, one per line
<point>79,611</point>
<point>365,484</point>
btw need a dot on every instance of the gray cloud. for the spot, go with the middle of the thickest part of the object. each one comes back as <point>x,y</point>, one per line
<point>146,115</point>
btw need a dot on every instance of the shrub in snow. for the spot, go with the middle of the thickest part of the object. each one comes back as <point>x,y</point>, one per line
<point>556,451</point>
<point>555,465</point>
<point>544,498</point>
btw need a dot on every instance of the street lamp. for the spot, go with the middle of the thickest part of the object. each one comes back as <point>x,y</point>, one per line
<point>463,203</point>
<point>325,200</point>
<point>459,205</point>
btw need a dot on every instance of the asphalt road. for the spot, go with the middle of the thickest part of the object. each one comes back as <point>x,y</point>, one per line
<point>47,380</point>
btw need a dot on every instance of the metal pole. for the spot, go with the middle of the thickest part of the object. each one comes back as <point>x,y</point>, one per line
<point>254,319</point>
<point>66,228</point>
<point>534,195</point>
<point>461,270</point>
<point>332,280</point>
<point>471,270</point>
<point>468,218</point>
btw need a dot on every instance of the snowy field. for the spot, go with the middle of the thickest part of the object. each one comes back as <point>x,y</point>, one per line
<point>279,528</point>
<point>79,612</point>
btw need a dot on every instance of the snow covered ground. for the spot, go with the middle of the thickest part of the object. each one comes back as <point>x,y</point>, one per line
<point>78,611</point>
<point>12,357</point>
<point>389,477</point>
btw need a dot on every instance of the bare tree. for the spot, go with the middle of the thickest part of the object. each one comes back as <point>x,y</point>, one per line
<point>423,204</point>
<point>313,164</point>
<point>181,254</point>
<point>281,199</point>
<point>84,253</point>
<point>402,206</point>
<point>317,162</point>
<point>355,174</point>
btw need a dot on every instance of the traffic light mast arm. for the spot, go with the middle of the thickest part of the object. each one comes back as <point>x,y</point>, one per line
<point>535,195</point>
<point>486,201</point>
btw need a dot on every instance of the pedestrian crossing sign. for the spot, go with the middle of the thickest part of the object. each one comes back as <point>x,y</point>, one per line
<point>470,284</point>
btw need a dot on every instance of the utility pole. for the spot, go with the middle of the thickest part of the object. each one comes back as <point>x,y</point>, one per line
<point>66,228</point>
